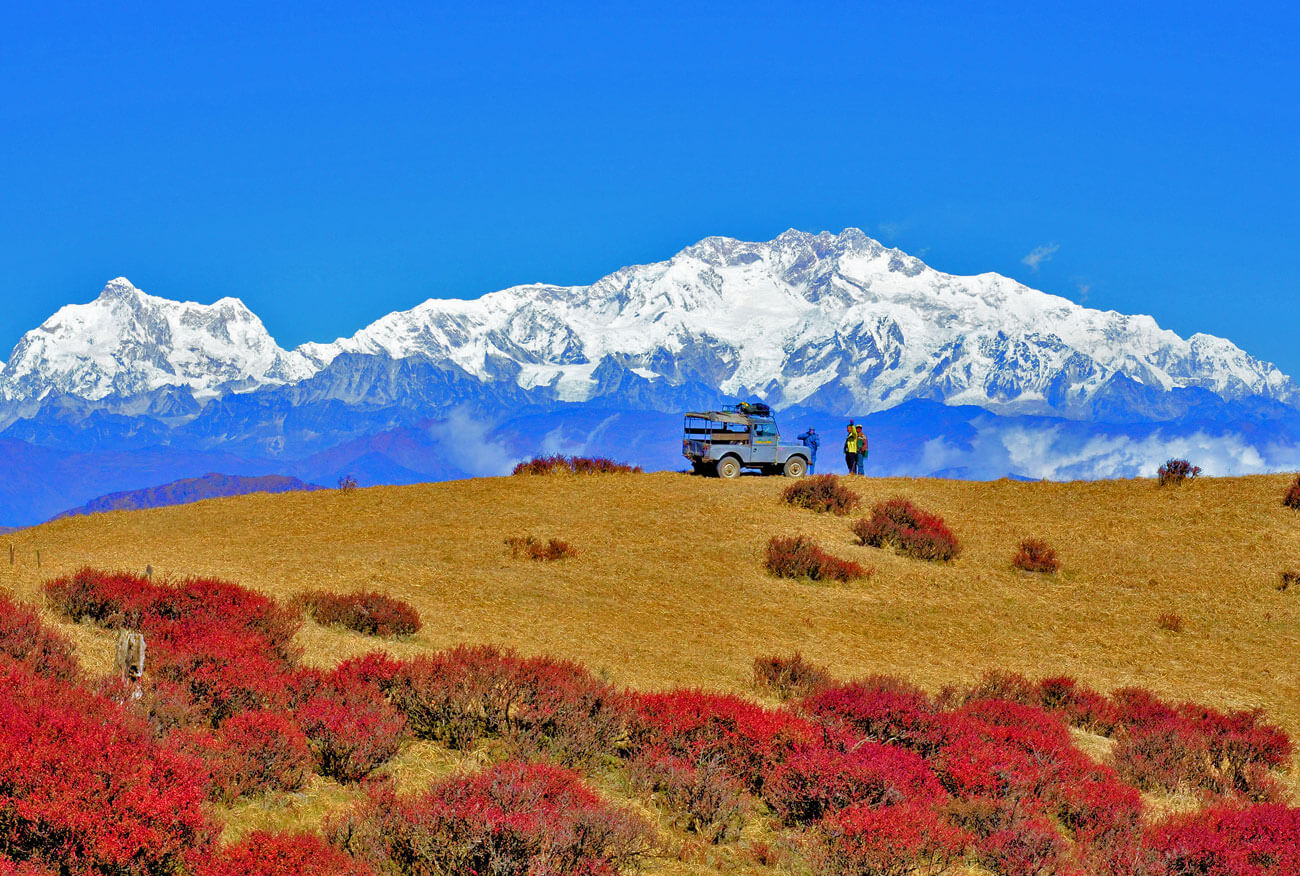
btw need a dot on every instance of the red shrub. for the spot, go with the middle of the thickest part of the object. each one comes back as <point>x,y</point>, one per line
<point>695,726</point>
<point>1079,705</point>
<point>1224,841</point>
<point>1292,498</point>
<point>823,494</point>
<point>994,684</point>
<point>558,464</point>
<point>373,613</point>
<point>818,780</point>
<point>1170,622</point>
<point>800,557</point>
<point>881,708</point>
<point>528,547</point>
<point>111,599</point>
<point>1187,746</point>
<point>1030,848</point>
<point>538,704</point>
<point>85,787</point>
<point>351,727</point>
<point>1036,555</point>
<point>888,841</point>
<point>1175,471</point>
<point>259,751</point>
<point>909,530</point>
<point>512,818</point>
<point>282,854</point>
<point>705,796</point>
<point>25,638</point>
<point>10,867</point>
<point>789,677</point>
<point>1288,578</point>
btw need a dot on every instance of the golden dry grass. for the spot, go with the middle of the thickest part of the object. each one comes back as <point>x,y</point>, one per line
<point>668,588</point>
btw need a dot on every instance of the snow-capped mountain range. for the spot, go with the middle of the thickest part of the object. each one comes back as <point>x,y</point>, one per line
<point>829,322</point>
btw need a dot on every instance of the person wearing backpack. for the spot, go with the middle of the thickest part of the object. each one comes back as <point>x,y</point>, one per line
<point>851,449</point>
<point>810,440</point>
<point>862,449</point>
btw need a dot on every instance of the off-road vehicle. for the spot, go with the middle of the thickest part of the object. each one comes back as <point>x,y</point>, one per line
<point>745,436</point>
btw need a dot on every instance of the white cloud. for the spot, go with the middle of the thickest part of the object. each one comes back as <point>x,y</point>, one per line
<point>471,450</point>
<point>1040,254</point>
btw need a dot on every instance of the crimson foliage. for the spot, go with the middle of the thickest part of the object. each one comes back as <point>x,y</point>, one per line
<point>513,818</point>
<point>24,638</point>
<point>800,557</point>
<point>908,529</point>
<point>350,725</point>
<point>282,854</point>
<point>863,840</point>
<point>85,787</point>
<point>373,613</point>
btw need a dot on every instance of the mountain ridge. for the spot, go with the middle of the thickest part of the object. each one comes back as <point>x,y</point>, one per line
<point>831,321</point>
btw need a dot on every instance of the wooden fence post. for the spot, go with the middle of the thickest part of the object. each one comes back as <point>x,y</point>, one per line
<point>130,655</point>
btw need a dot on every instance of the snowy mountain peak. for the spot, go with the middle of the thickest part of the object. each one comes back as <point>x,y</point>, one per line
<point>128,343</point>
<point>838,322</point>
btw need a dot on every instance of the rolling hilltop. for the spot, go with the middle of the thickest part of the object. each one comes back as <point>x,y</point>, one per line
<point>668,588</point>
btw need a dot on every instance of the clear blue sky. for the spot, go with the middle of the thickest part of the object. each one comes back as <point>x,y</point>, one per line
<point>331,162</point>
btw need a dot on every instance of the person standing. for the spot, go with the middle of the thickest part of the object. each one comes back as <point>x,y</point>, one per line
<point>810,440</point>
<point>851,449</point>
<point>862,449</point>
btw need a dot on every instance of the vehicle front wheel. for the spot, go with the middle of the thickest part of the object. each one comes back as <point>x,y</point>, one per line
<point>728,467</point>
<point>795,467</point>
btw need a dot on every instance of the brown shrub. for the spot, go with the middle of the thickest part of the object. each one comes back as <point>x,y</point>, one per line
<point>822,493</point>
<point>1292,498</point>
<point>790,677</point>
<point>528,547</point>
<point>800,557</point>
<point>374,613</point>
<point>1289,578</point>
<point>908,529</point>
<point>1036,555</point>
<point>558,464</point>
<point>1171,622</point>
<point>1175,471</point>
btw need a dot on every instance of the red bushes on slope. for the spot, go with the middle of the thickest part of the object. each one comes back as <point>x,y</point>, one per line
<point>800,557</point>
<point>888,841</point>
<point>510,818</point>
<point>537,704</point>
<point>789,677</point>
<point>908,529</point>
<point>282,854</point>
<point>823,494</point>
<point>350,725</point>
<point>24,638</point>
<point>68,758</point>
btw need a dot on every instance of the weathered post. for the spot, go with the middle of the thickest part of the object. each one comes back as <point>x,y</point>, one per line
<point>148,571</point>
<point>130,655</point>
<point>11,554</point>
<point>38,559</point>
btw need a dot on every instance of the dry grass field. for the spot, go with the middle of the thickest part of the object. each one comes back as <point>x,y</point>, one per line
<point>668,588</point>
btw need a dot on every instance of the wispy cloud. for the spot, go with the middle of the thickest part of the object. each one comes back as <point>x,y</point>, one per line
<point>1040,254</point>
<point>1084,289</point>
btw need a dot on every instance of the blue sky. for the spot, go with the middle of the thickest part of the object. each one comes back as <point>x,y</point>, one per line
<point>329,163</point>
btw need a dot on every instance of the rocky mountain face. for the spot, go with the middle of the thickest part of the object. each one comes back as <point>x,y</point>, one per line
<point>822,325</point>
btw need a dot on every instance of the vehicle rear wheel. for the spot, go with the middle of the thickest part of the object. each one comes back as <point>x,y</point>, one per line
<point>728,467</point>
<point>795,467</point>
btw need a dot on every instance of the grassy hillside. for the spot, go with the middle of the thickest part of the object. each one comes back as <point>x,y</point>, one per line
<point>668,589</point>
